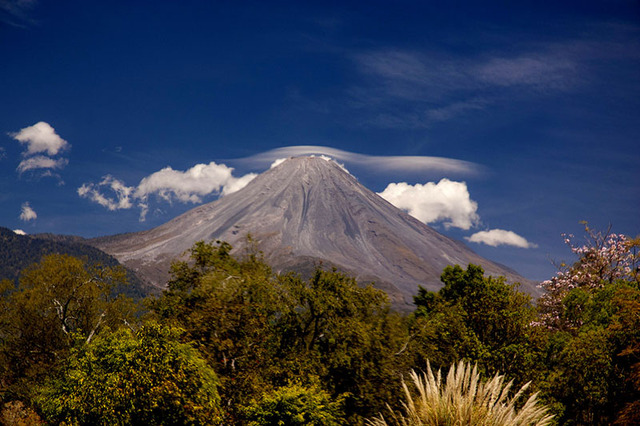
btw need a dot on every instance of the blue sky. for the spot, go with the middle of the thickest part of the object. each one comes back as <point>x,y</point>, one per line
<point>493,122</point>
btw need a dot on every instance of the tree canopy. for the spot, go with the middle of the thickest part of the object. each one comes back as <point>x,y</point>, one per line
<point>231,342</point>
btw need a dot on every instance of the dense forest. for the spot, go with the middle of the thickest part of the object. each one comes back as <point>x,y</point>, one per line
<point>230,342</point>
<point>17,252</point>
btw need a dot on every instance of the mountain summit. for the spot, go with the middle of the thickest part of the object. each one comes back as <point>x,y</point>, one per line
<point>303,212</point>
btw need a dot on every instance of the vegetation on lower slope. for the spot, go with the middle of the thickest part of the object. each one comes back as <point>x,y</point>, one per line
<point>229,342</point>
<point>20,251</point>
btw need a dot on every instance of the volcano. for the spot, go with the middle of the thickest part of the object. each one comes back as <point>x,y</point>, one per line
<point>305,212</point>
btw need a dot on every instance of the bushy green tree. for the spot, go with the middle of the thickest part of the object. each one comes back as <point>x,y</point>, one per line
<point>226,307</point>
<point>56,301</point>
<point>480,319</point>
<point>591,311</point>
<point>125,378</point>
<point>262,331</point>
<point>293,405</point>
<point>345,334</point>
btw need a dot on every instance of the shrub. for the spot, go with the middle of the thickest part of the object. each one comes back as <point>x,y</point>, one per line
<point>464,400</point>
<point>295,405</point>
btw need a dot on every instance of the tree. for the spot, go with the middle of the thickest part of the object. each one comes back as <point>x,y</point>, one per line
<point>125,378</point>
<point>591,312</point>
<point>56,301</point>
<point>262,331</point>
<point>346,335</point>
<point>226,307</point>
<point>295,404</point>
<point>604,259</point>
<point>480,319</point>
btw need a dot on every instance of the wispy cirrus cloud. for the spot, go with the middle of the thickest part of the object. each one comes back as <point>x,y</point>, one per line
<point>500,237</point>
<point>423,76</point>
<point>167,184</point>
<point>542,71</point>
<point>413,89</point>
<point>17,13</point>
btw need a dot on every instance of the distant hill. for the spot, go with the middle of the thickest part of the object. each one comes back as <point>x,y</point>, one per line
<point>19,251</point>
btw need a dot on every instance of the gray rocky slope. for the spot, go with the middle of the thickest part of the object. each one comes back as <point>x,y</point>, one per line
<point>304,212</point>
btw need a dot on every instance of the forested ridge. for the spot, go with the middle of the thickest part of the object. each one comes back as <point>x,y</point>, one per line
<point>230,342</point>
<point>20,251</point>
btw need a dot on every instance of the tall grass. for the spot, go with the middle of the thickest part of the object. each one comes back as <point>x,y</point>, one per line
<point>464,399</point>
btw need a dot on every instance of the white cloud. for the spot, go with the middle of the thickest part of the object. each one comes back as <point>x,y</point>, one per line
<point>95,193</point>
<point>41,144</point>
<point>41,162</point>
<point>27,213</point>
<point>498,237</point>
<point>19,232</point>
<point>446,201</point>
<point>191,185</point>
<point>277,162</point>
<point>167,184</point>
<point>39,138</point>
<point>382,163</point>
<point>236,184</point>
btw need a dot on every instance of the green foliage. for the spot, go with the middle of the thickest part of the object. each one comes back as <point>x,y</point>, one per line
<point>260,331</point>
<point>295,405</point>
<point>17,252</point>
<point>226,307</point>
<point>57,299</point>
<point>464,399</point>
<point>344,334</point>
<point>592,316</point>
<point>326,350</point>
<point>123,378</point>
<point>481,319</point>
<point>592,368</point>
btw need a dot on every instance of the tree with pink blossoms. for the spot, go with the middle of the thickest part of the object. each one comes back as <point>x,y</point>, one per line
<point>604,258</point>
<point>591,313</point>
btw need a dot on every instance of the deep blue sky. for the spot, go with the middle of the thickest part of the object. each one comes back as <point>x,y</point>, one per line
<point>540,100</point>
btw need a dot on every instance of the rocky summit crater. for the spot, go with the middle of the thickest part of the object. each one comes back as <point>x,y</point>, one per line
<point>309,211</point>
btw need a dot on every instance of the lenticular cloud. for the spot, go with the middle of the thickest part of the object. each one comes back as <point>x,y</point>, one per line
<point>384,163</point>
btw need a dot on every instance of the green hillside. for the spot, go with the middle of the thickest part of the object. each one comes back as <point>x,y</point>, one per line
<point>19,251</point>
